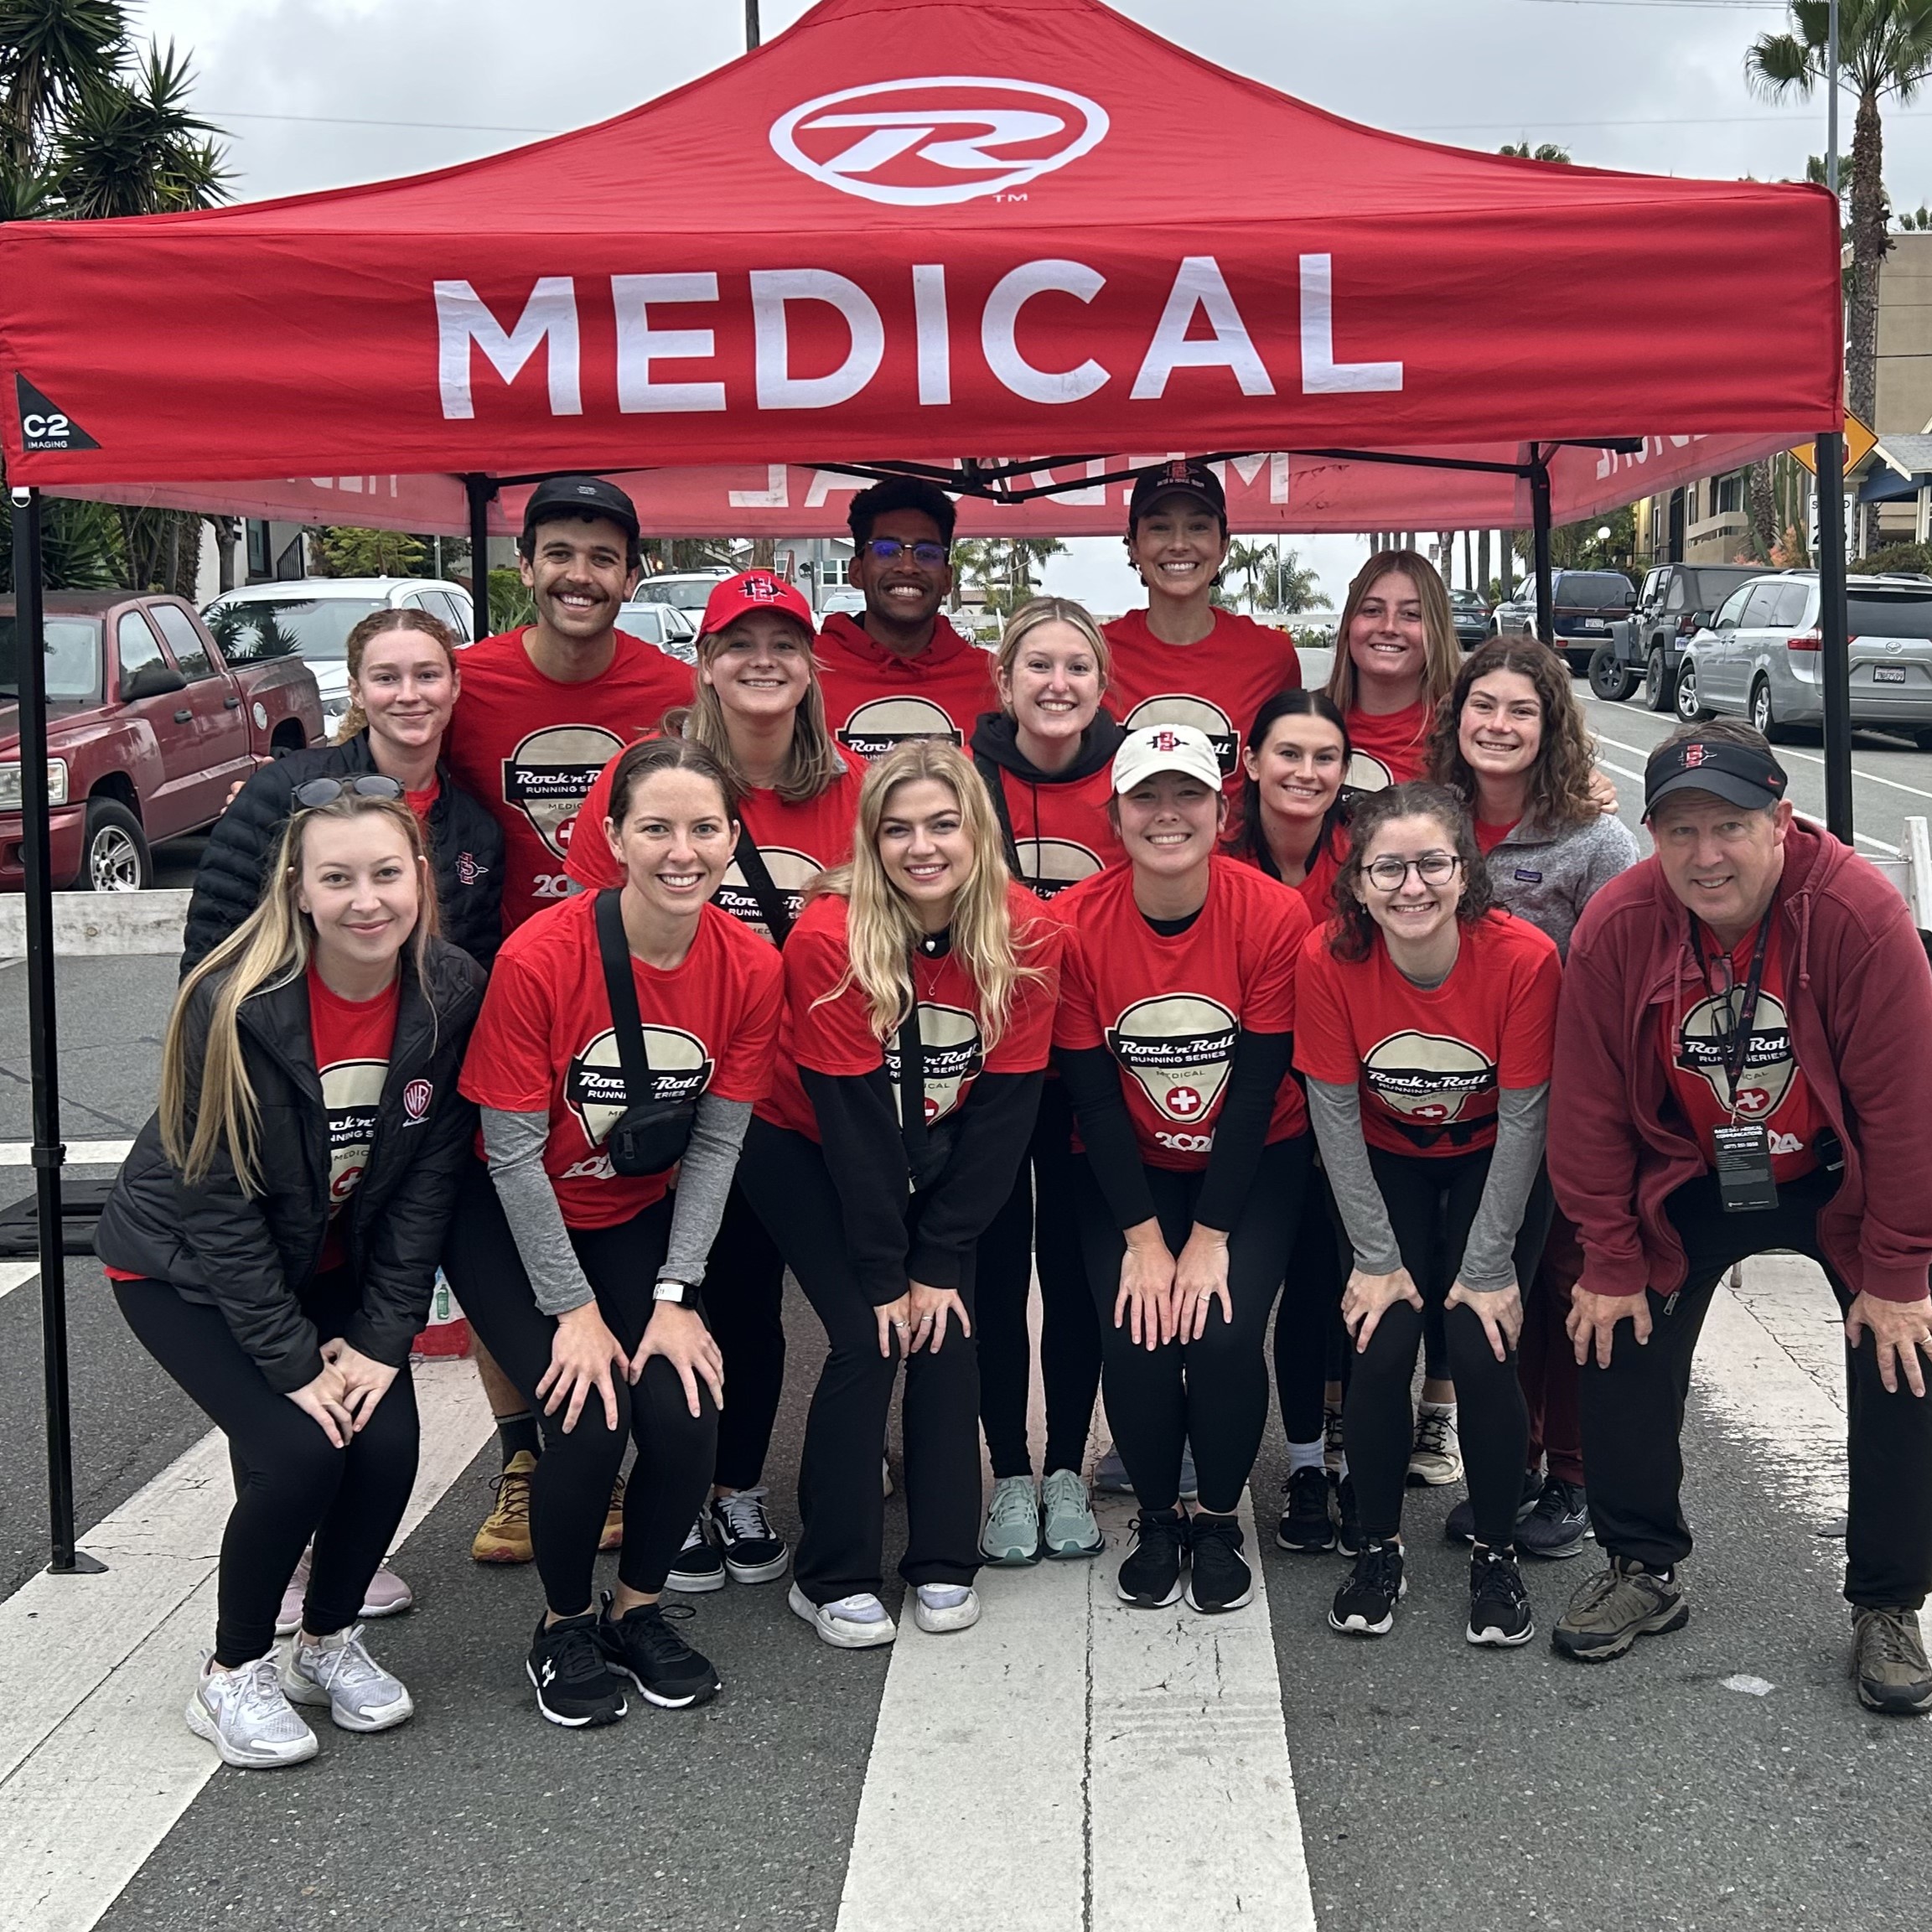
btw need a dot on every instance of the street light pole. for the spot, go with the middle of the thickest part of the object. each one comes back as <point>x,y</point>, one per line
<point>1830,98</point>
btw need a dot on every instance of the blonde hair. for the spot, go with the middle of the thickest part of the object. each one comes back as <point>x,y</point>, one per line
<point>881,928</point>
<point>211,1106</point>
<point>380,624</point>
<point>1442,656</point>
<point>1039,610</point>
<point>811,767</point>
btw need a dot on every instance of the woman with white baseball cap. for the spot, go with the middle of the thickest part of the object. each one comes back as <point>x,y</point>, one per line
<point>1174,1038</point>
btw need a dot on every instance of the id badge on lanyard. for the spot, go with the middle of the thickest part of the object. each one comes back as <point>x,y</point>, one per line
<point>1742,1148</point>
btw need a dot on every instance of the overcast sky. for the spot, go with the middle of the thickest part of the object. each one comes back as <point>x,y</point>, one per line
<point>319,93</point>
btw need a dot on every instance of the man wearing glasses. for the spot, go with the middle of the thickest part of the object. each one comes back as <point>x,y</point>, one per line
<point>901,670</point>
<point>1743,1061</point>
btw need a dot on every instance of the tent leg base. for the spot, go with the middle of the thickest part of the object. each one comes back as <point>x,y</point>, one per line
<point>82,1564</point>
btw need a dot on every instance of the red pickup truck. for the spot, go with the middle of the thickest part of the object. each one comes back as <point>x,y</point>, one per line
<point>148,728</point>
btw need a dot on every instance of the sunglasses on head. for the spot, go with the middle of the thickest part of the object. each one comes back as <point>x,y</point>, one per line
<point>321,791</point>
<point>890,550</point>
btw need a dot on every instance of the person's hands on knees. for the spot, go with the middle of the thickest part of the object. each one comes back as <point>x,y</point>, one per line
<point>1900,1331</point>
<point>1144,1303</point>
<point>1594,1320</point>
<point>1368,1298</point>
<point>584,1355</point>
<point>1201,1279</point>
<point>679,1334</point>
<point>1500,1310</point>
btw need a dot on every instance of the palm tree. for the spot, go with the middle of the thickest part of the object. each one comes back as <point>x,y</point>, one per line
<point>1543,151</point>
<point>1248,561</point>
<point>1004,567</point>
<point>1885,48</point>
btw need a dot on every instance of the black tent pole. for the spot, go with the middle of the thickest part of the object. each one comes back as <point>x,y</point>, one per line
<point>1836,667</point>
<point>1540,544</point>
<point>751,32</point>
<point>47,1152</point>
<point>478,489</point>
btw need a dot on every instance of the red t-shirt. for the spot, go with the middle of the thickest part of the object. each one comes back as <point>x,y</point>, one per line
<point>1388,749</point>
<point>1430,1060</point>
<point>1217,685</point>
<point>424,802</point>
<point>529,748</point>
<point>1317,887</point>
<point>352,1040</point>
<point>874,698</point>
<point>1489,837</point>
<point>544,1043</point>
<point>1770,1090</point>
<point>796,841</point>
<point>1169,1009</point>
<point>1061,832</point>
<point>835,1037</point>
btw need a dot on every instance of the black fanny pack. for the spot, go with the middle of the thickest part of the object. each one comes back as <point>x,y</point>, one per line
<point>649,1136</point>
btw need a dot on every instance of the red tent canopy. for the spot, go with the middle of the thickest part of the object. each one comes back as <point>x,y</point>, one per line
<point>904,232</point>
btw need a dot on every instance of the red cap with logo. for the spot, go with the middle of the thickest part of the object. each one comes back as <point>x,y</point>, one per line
<point>754,590</point>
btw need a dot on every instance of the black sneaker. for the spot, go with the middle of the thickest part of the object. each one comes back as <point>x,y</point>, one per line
<point>1460,1526</point>
<point>1559,1524</point>
<point>1498,1604</point>
<point>1365,1605</point>
<point>1150,1573</point>
<point>753,1551</point>
<point>1308,1523</point>
<point>1219,1578</point>
<point>1347,1519</point>
<point>574,1686</point>
<point>699,1565</point>
<point>642,1646</point>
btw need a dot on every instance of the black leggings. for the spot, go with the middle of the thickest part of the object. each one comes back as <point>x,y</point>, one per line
<point>840,1549</point>
<point>1210,1395</point>
<point>570,1492</point>
<point>1318,1270</point>
<point>1070,1334</point>
<point>292,1483</point>
<point>744,1303</point>
<point>1431,1201</point>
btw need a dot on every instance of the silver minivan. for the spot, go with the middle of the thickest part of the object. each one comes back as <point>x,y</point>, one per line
<point>1761,654</point>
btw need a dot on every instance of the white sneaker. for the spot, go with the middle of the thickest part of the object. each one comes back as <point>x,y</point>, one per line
<point>855,1622</point>
<point>942,1607</point>
<point>1436,1457</point>
<point>386,1596</point>
<point>245,1715</point>
<point>337,1672</point>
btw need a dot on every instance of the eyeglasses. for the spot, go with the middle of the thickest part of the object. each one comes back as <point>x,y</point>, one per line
<point>321,791</point>
<point>890,550</point>
<point>1390,874</point>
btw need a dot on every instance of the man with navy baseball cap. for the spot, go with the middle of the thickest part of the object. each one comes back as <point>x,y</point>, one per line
<point>1743,1060</point>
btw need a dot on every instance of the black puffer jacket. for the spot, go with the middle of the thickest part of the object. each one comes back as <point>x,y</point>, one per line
<point>465,849</point>
<point>251,1256</point>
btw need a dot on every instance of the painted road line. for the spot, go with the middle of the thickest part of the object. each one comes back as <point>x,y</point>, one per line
<point>95,1764</point>
<point>1057,1723</point>
<point>1624,771</point>
<point>17,1275</point>
<point>80,1153</point>
<point>1784,752</point>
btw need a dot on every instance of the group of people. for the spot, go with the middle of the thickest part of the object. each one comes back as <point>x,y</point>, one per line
<point>614,989</point>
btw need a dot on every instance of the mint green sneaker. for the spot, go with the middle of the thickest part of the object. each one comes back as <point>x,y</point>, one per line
<point>1070,1529</point>
<point>1012,1534</point>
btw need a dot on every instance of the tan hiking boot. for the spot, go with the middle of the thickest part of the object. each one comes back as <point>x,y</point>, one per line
<point>504,1537</point>
<point>1616,1607</point>
<point>1888,1662</point>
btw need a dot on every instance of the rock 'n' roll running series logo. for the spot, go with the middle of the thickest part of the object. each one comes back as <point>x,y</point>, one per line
<point>1367,773</point>
<point>593,1088</point>
<point>1429,1078</point>
<point>549,775</point>
<point>1769,1067</point>
<point>1051,865</point>
<point>951,1047</point>
<point>1180,707</point>
<point>792,873</point>
<point>351,1097</point>
<point>1178,1048</point>
<point>880,723</point>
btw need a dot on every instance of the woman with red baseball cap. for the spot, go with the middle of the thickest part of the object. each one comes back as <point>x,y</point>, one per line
<point>758,709</point>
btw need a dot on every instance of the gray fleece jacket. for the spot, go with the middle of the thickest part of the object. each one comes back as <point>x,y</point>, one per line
<point>1547,877</point>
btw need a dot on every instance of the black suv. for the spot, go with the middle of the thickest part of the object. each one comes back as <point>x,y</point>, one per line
<point>1585,604</point>
<point>1676,600</point>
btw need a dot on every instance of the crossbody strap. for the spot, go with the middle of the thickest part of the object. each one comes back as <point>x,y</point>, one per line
<point>912,1126</point>
<point>989,772</point>
<point>614,949</point>
<point>774,908</point>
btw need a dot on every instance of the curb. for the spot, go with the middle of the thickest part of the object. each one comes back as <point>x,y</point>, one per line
<point>94,925</point>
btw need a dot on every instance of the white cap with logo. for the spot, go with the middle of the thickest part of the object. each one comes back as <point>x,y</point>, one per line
<point>1157,748</point>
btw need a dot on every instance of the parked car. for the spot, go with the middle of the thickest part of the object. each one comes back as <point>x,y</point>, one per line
<point>147,728</point>
<point>311,618</point>
<point>670,626</point>
<point>844,601</point>
<point>1677,600</point>
<point>689,589</point>
<point>1472,617</point>
<point>1762,655</point>
<point>1585,604</point>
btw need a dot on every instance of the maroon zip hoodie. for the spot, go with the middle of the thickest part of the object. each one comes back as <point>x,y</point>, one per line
<point>1859,1001</point>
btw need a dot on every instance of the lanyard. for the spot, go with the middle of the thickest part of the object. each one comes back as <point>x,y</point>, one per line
<point>1737,1028</point>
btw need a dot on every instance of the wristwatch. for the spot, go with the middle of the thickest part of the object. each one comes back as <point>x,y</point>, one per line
<point>670,1289</point>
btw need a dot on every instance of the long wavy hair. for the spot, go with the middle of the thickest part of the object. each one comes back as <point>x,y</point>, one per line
<point>211,1107</point>
<point>1352,931</point>
<point>811,767</point>
<point>882,929</point>
<point>1559,787</point>
<point>376,624</point>
<point>1442,656</point>
<point>1249,840</point>
<point>1039,610</point>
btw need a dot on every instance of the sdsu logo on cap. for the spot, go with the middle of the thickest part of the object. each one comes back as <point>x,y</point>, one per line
<point>877,725</point>
<point>942,138</point>
<point>949,1049</point>
<point>594,1082</point>
<point>1426,1076</point>
<point>1179,707</point>
<point>1178,1049</point>
<point>548,775</point>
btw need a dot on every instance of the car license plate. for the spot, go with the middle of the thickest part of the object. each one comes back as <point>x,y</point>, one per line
<point>1889,674</point>
<point>1595,624</point>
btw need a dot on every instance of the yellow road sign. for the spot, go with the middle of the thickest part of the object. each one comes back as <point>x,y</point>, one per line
<point>1859,443</point>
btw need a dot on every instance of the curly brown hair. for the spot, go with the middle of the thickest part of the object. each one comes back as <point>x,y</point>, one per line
<point>1559,791</point>
<point>1352,932</point>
